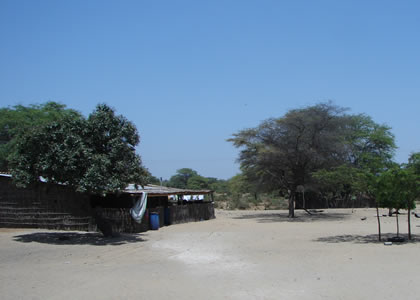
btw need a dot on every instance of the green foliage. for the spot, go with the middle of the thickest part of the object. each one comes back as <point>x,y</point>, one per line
<point>282,153</point>
<point>113,160</point>
<point>197,182</point>
<point>344,180</point>
<point>187,178</point>
<point>218,185</point>
<point>153,180</point>
<point>318,146</point>
<point>370,146</point>
<point>397,188</point>
<point>19,119</point>
<point>235,193</point>
<point>95,155</point>
<point>180,179</point>
<point>56,148</point>
<point>414,163</point>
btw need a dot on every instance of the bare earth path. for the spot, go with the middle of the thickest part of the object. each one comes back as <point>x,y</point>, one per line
<point>240,255</point>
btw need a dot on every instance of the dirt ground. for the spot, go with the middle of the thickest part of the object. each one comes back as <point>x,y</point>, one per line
<point>239,255</point>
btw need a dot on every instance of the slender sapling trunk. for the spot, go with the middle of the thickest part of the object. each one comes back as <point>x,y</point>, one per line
<point>409,223</point>
<point>379,222</point>
<point>292,205</point>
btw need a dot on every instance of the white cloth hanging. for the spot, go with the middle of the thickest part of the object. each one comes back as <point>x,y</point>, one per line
<point>139,208</point>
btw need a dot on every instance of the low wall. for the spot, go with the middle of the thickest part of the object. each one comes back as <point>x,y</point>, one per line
<point>46,206</point>
<point>120,220</point>
<point>191,212</point>
<point>53,198</point>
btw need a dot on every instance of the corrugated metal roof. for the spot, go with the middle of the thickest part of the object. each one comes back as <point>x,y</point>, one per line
<point>152,189</point>
<point>163,190</point>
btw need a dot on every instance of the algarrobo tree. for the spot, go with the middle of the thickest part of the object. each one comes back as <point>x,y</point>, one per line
<point>282,153</point>
<point>94,155</point>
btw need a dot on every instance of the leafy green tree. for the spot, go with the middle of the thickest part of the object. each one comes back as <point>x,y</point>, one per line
<point>397,188</point>
<point>342,181</point>
<point>19,119</point>
<point>317,146</point>
<point>218,185</point>
<point>370,148</point>
<point>369,151</point>
<point>180,179</point>
<point>153,180</point>
<point>197,182</point>
<point>55,151</point>
<point>113,159</point>
<point>414,162</point>
<point>281,154</point>
<point>95,155</point>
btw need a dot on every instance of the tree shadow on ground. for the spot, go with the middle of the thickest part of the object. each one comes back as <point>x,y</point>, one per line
<point>301,217</point>
<point>77,238</point>
<point>367,239</point>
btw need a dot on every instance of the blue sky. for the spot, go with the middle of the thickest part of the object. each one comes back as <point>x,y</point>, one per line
<point>189,74</point>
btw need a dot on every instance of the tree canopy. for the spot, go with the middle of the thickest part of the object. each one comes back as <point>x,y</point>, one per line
<point>414,163</point>
<point>187,178</point>
<point>95,155</point>
<point>369,152</point>
<point>19,119</point>
<point>398,188</point>
<point>284,153</point>
<point>180,179</point>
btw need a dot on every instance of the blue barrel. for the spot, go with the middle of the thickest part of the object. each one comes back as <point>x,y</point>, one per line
<point>154,221</point>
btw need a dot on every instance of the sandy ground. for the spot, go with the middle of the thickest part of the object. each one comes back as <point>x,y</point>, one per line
<point>239,255</point>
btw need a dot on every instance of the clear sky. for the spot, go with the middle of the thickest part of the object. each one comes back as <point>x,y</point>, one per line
<point>189,74</point>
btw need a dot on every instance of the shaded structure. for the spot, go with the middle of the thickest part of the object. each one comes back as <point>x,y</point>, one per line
<point>173,206</point>
<point>53,206</point>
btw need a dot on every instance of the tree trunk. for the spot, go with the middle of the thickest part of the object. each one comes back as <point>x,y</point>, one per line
<point>398,225</point>
<point>379,222</point>
<point>409,223</point>
<point>292,204</point>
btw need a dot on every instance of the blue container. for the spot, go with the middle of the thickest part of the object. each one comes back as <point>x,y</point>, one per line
<point>154,221</point>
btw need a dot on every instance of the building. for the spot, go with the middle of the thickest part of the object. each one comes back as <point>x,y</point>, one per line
<point>53,206</point>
